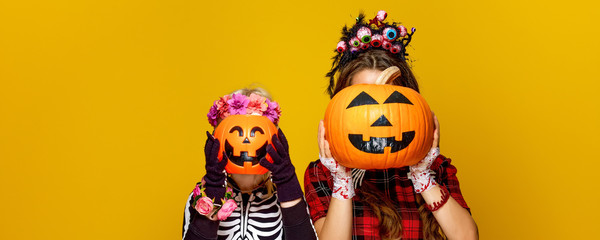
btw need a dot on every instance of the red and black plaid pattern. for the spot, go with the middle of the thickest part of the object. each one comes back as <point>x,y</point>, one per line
<point>318,183</point>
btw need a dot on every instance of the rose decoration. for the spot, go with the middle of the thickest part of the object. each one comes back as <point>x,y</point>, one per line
<point>204,206</point>
<point>226,209</point>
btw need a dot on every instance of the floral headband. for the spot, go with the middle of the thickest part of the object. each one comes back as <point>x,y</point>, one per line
<point>239,104</point>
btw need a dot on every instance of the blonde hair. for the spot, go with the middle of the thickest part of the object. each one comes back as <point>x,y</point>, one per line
<point>254,88</point>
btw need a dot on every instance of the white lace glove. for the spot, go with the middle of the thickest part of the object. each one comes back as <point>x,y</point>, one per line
<point>421,174</point>
<point>342,179</point>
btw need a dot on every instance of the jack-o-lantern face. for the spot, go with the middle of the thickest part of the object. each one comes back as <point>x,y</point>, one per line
<point>378,126</point>
<point>244,139</point>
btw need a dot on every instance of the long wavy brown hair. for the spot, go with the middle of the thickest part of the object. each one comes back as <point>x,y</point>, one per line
<point>385,210</point>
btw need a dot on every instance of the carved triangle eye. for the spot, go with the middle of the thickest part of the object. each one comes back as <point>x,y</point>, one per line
<point>362,99</point>
<point>397,97</point>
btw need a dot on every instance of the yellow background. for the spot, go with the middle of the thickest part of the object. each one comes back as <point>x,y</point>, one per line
<point>103,105</point>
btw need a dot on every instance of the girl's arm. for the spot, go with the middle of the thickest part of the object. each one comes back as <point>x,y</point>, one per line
<point>196,226</point>
<point>296,221</point>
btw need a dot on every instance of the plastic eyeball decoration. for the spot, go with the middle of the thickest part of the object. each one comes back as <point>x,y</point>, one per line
<point>395,49</point>
<point>354,49</point>
<point>402,31</point>
<point>376,40</point>
<point>386,44</point>
<point>341,46</point>
<point>390,34</point>
<point>355,42</point>
<point>364,46</point>
<point>364,34</point>
<point>381,15</point>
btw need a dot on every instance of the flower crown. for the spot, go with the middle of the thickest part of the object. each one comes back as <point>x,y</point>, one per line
<point>363,36</point>
<point>239,104</point>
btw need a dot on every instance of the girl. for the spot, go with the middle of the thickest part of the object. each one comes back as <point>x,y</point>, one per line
<point>416,202</point>
<point>267,206</point>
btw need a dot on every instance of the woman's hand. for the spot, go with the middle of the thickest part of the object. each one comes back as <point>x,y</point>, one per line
<point>420,173</point>
<point>342,176</point>
<point>282,171</point>
<point>214,180</point>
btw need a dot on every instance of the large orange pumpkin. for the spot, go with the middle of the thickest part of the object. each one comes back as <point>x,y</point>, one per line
<point>244,139</point>
<point>372,126</point>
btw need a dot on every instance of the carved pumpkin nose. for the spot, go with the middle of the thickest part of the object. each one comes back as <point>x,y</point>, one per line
<point>246,140</point>
<point>381,122</point>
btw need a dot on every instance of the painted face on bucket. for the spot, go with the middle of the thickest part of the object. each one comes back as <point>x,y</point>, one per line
<point>244,139</point>
<point>378,126</point>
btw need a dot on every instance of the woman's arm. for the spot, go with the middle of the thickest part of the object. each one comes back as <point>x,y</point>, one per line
<point>455,221</point>
<point>337,224</point>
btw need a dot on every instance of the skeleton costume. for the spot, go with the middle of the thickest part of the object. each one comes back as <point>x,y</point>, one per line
<point>258,216</point>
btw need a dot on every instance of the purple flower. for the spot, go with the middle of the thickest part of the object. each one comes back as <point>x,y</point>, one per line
<point>273,111</point>
<point>237,104</point>
<point>213,115</point>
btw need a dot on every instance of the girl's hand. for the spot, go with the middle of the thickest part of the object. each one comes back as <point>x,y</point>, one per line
<point>282,171</point>
<point>214,180</point>
<point>420,173</point>
<point>342,176</point>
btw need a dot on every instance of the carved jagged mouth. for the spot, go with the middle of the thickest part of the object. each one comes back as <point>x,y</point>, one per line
<point>260,153</point>
<point>377,144</point>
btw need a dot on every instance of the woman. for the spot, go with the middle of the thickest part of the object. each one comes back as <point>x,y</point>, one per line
<point>417,202</point>
<point>257,206</point>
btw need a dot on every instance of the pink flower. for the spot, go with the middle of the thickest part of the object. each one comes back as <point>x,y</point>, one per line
<point>273,112</point>
<point>197,191</point>
<point>257,104</point>
<point>229,190</point>
<point>204,206</point>
<point>223,107</point>
<point>219,110</point>
<point>226,209</point>
<point>238,104</point>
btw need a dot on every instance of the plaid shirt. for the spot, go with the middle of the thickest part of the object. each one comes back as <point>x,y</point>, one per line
<point>318,183</point>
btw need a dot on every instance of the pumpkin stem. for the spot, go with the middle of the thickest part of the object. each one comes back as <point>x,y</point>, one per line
<point>388,75</point>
